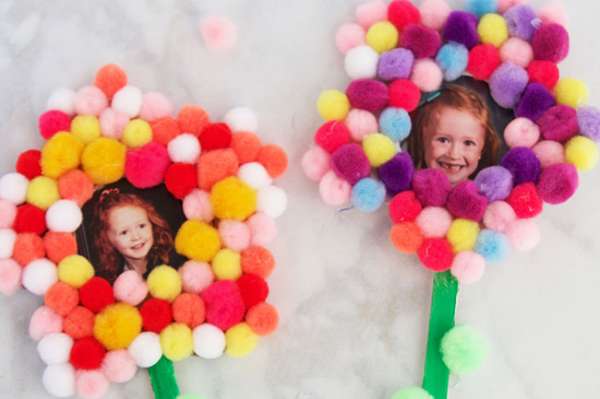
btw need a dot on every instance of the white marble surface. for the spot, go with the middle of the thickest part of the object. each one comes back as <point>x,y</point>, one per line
<point>353,311</point>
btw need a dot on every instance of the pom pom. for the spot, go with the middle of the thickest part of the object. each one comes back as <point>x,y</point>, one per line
<point>262,228</point>
<point>215,166</point>
<point>240,340</point>
<point>334,191</point>
<point>493,29</point>
<point>394,64</point>
<point>103,160</point>
<point>13,188</point>
<point>137,133</point>
<point>482,7</point>
<point>196,205</point>
<point>119,366</point>
<point>62,100</point>
<point>8,213</point>
<point>75,270</point>
<point>42,192</point>
<point>517,51</point>
<point>498,216</point>
<point>558,183</point>
<point>402,13</point>
<point>483,61</point>
<point>262,319</point>
<point>246,146</point>
<point>495,182</point>
<point>272,201</point>
<point>146,166</point>
<point>87,354</point>
<point>349,36</point>
<point>582,152</point>
<point>554,13</point>
<point>332,135</point>
<point>434,222</point>
<point>39,275</point>
<point>463,350</point>
<point>227,265</point>
<point>86,128</point>
<point>28,164</point>
<point>117,326</point>
<point>404,207</point>
<point>215,136</point>
<point>361,123</point>
<point>453,59</point>
<point>255,175</point>
<point>235,235</point>
<point>412,393</point>
<point>110,79</point>
<point>233,199</point>
<point>156,315</point>
<point>524,234</point>
<point>43,322</point>
<point>181,179</point>
<point>382,36</point>
<point>61,298</point>
<point>436,254</point>
<point>96,294</point>
<point>544,72</point>
<point>395,123</point>
<point>128,100</point>
<point>130,288</point>
<point>492,245</point>
<point>550,43</point>
<point>76,186</point>
<point>164,283</point>
<point>90,100</point>
<point>406,237</point>
<point>559,123</point>
<point>177,342</point>
<point>525,201</point>
<point>520,19</point>
<point>112,123</point>
<point>192,119</point>
<point>79,323</point>
<point>521,132</point>
<point>468,267</point>
<point>195,276</point>
<point>224,304</point>
<point>64,216</point>
<point>219,33</point>
<point>507,84</point>
<point>397,173</point>
<point>145,349</point>
<point>571,92</point>
<point>463,234</point>
<point>371,12</point>
<point>184,148</point>
<point>333,105</point>
<point>189,310</point>
<point>52,122</point>
<point>10,276</point>
<point>588,119</point>
<point>198,241</point>
<point>535,102</point>
<point>27,247</point>
<point>379,149</point>
<point>209,341</point>
<point>368,195</point>
<point>59,380</point>
<point>427,75</point>
<point>431,186</point>
<point>258,260</point>
<point>350,163</point>
<point>465,201</point>
<point>461,27</point>
<point>404,94</point>
<point>8,239</point>
<point>434,13</point>
<point>155,106</point>
<point>368,94</point>
<point>424,42</point>
<point>274,159</point>
<point>523,164</point>
<point>504,5</point>
<point>55,348</point>
<point>91,385</point>
<point>253,289</point>
<point>165,129</point>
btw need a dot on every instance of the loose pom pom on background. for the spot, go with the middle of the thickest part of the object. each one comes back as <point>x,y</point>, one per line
<point>349,36</point>
<point>463,349</point>
<point>218,32</point>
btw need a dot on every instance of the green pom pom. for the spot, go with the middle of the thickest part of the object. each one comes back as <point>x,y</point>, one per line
<point>463,349</point>
<point>189,396</point>
<point>412,393</point>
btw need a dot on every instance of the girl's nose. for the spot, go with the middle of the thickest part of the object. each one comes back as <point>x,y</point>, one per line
<point>455,151</point>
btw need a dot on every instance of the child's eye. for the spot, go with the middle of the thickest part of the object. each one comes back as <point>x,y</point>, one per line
<point>442,140</point>
<point>122,233</point>
<point>142,225</point>
<point>470,143</point>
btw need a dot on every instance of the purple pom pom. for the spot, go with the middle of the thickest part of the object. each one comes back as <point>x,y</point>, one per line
<point>424,42</point>
<point>461,27</point>
<point>466,202</point>
<point>523,164</point>
<point>431,186</point>
<point>589,122</point>
<point>535,101</point>
<point>368,94</point>
<point>495,183</point>
<point>395,64</point>
<point>558,183</point>
<point>520,20</point>
<point>397,173</point>
<point>551,43</point>
<point>507,84</point>
<point>559,123</point>
<point>350,163</point>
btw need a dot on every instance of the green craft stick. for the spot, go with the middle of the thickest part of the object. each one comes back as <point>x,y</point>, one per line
<point>162,377</point>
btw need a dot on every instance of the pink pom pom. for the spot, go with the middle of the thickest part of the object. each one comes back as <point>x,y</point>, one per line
<point>44,321</point>
<point>361,123</point>
<point>434,222</point>
<point>523,234</point>
<point>10,276</point>
<point>90,100</point>
<point>8,212</point>
<point>91,384</point>
<point>316,163</point>
<point>118,366</point>
<point>196,205</point>
<point>155,105</point>
<point>196,276</point>
<point>349,36</point>
<point>218,33</point>
<point>549,153</point>
<point>521,132</point>
<point>504,5</point>
<point>262,228</point>
<point>427,75</point>
<point>112,123</point>
<point>434,13</point>
<point>130,288</point>
<point>517,51</point>
<point>369,13</point>
<point>498,216</point>
<point>146,166</point>
<point>235,235</point>
<point>334,190</point>
<point>554,13</point>
<point>468,267</point>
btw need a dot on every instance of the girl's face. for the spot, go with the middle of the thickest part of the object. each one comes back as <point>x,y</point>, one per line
<point>130,231</point>
<point>455,145</point>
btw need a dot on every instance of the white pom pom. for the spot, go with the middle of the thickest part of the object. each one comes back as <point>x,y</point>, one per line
<point>361,62</point>
<point>145,349</point>
<point>209,341</point>
<point>128,100</point>
<point>62,100</point>
<point>241,119</point>
<point>55,348</point>
<point>184,148</point>
<point>255,175</point>
<point>64,216</point>
<point>59,380</point>
<point>7,243</point>
<point>39,275</point>
<point>272,200</point>
<point>13,188</point>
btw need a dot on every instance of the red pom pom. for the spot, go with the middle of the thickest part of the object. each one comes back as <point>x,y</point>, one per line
<point>28,164</point>
<point>483,61</point>
<point>404,94</point>
<point>224,304</point>
<point>436,254</point>
<point>332,135</point>
<point>181,179</point>
<point>156,314</point>
<point>52,122</point>
<point>525,201</point>
<point>402,13</point>
<point>404,207</point>
<point>253,289</point>
<point>110,79</point>
<point>215,136</point>
<point>30,219</point>
<point>87,354</point>
<point>544,72</point>
<point>96,294</point>
<point>145,167</point>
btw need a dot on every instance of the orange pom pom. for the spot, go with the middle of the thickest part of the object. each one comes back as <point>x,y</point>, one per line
<point>406,237</point>
<point>79,323</point>
<point>28,247</point>
<point>77,186</point>
<point>189,309</point>
<point>258,260</point>
<point>274,159</point>
<point>246,146</point>
<point>110,79</point>
<point>192,119</point>
<point>216,165</point>
<point>164,130</point>
<point>262,318</point>
<point>59,245</point>
<point>61,298</point>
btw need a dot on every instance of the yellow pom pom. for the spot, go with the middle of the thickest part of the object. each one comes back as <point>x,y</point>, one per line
<point>463,234</point>
<point>198,241</point>
<point>164,282</point>
<point>117,326</point>
<point>60,154</point>
<point>227,265</point>
<point>571,92</point>
<point>379,149</point>
<point>137,133</point>
<point>104,160</point>
<point>177,342</point>
<point>86,128</point>
<point>333,105</point>
<point>240,340</point>
<point>493,29</point>
<point>42,192</point>
<point>382,36</point>
<point>75,270</point>
<point>231,198</point>
<point>582,152</point>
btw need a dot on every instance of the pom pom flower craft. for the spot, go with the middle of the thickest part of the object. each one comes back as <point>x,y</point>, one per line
<point>144,233</point>
<point>462,120</point>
